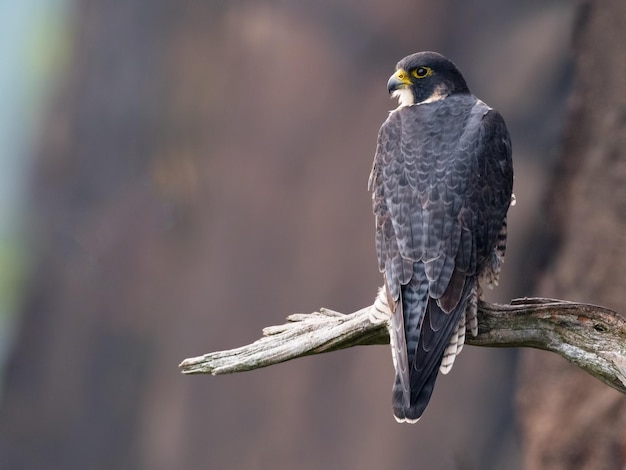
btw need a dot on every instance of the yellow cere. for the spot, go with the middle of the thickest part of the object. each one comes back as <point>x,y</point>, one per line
<point>403,76</point>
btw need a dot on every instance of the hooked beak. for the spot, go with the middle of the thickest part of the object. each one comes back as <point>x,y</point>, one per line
<point>398,81</point>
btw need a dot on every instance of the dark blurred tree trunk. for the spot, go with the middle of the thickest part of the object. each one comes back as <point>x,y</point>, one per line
<point>570,420</point>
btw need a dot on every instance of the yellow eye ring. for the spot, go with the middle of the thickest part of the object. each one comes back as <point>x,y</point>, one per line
<point>421,72</point>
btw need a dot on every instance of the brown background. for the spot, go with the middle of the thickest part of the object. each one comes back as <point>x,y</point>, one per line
<point>202,174</point>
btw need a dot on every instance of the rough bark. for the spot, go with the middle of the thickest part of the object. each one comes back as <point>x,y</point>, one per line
<point>591,337</point>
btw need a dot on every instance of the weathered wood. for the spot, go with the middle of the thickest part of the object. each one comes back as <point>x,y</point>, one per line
<point>590,336</point>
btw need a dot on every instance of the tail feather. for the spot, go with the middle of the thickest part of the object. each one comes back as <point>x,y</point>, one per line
<point>406,324</point>
<point>428,333</point>
<point>401,387</point>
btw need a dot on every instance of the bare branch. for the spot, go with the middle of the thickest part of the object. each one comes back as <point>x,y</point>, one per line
<point>592,337</point>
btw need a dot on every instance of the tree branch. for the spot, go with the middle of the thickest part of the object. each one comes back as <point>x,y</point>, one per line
<point>592,337</point>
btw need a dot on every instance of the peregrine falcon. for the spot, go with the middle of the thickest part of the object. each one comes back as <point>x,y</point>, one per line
<point>442,183</point>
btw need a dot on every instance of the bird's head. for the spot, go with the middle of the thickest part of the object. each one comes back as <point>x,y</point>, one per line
<point>425,77</point>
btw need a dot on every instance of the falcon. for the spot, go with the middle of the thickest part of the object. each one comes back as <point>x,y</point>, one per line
<point>441,187</point>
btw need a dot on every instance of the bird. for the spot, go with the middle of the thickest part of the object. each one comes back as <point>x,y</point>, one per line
<point>441,184</point>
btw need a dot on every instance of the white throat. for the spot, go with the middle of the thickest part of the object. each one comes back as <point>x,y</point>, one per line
<point>404,96</point>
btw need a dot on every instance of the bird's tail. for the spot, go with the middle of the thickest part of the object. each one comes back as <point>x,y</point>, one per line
<point>426,329</point>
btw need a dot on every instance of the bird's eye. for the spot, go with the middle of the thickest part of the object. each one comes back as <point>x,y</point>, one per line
<point>421,72</point>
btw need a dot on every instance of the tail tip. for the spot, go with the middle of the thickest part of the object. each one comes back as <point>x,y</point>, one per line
<point>407,414</point>
<point>406,420</point>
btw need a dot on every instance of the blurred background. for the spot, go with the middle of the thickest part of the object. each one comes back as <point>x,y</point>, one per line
<point>174,176</point>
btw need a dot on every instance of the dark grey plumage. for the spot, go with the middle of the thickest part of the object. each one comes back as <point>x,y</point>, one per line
<point>441,181</point>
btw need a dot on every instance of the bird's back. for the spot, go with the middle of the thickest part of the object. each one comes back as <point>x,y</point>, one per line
<point>431,179</point>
